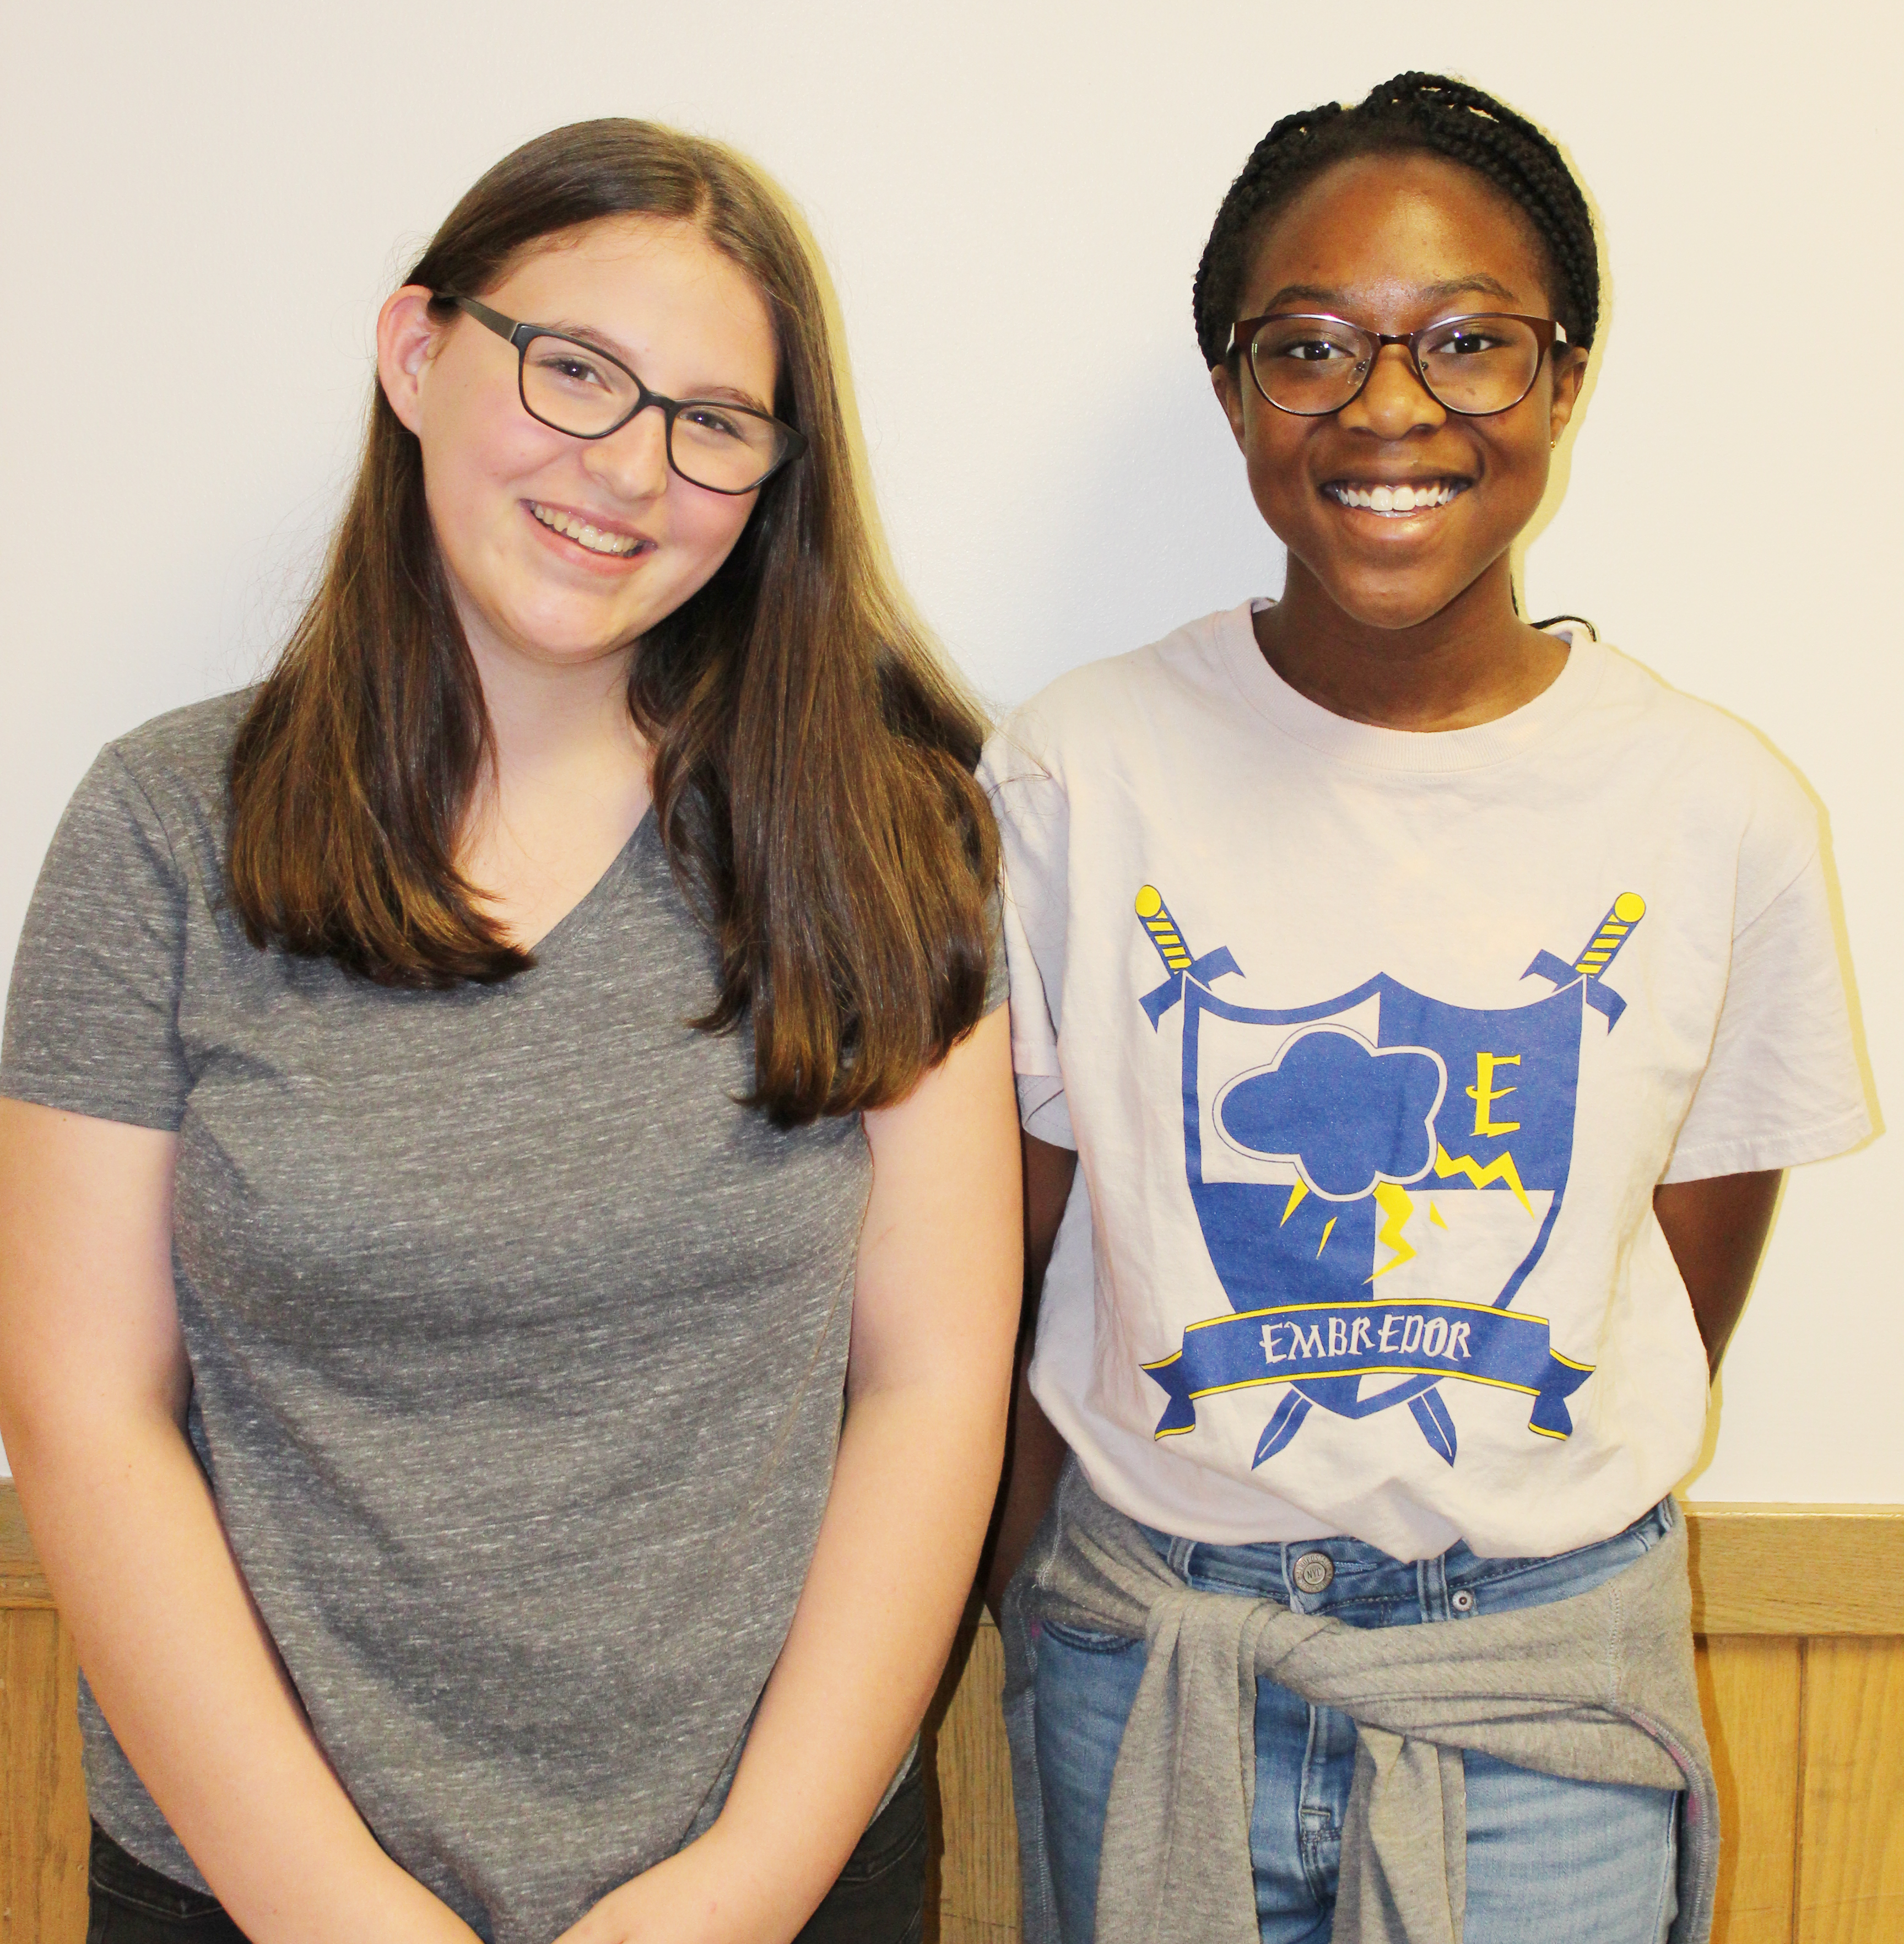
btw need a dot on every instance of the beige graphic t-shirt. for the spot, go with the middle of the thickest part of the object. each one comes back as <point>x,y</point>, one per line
<point>1374,1046</point>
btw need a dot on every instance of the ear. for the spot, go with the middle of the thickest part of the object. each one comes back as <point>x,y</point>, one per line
<point>407,339</point>
<point>1569,376</point>
<point>1229,396</point>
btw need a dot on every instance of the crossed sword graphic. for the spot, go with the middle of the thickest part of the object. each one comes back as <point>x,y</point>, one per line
<point>1587,965</point>
<point>1595,957</point>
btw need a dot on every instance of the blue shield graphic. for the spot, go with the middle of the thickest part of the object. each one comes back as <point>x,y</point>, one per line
<point>1376,1176</point>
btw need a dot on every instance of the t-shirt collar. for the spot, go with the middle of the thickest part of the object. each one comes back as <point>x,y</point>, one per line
<point>1406,749</point>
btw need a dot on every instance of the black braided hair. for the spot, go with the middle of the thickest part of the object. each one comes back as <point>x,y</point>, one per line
<point>1423,111</point>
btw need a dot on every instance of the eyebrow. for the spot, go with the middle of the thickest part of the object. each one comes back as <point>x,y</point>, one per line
<point>585,333</point>
<point>1453,286</point>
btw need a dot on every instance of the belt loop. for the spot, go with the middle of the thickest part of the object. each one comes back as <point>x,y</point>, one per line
<point>1432,1579</point>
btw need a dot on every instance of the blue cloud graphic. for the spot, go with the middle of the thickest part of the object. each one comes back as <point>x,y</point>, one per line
<point>1349,1114</point>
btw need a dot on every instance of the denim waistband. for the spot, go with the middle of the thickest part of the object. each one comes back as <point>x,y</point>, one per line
<point>1363,1586</point>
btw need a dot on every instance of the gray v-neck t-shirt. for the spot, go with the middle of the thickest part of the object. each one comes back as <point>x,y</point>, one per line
<point>517,1345</point>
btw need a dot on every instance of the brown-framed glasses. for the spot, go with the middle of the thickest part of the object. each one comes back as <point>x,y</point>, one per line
<point>578,389</point>
<point>1476,366</point>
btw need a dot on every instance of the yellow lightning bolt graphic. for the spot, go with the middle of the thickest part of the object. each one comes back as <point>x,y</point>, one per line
<point>1500,1169</point>
<point>1327,1227</point>
<point>1435,1215</point>
<point>1393,1202</point>
<point>1295,1201</point>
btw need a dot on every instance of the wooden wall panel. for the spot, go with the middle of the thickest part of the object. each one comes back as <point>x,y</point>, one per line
<point>1851,1801</point>
<point>1749,1690</point>
<point>977,1900</point>
<point>1801,1674</point>
<point>43,1845</point>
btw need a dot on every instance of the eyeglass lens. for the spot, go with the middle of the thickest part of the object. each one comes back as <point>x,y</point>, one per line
<point>725,447</point>
<point>1311,365</point>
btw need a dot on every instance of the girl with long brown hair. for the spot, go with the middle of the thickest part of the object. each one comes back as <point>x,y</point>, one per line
<point>476,1104</point>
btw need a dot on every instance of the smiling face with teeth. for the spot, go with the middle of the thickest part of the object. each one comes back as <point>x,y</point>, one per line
<point>561,550</point>
<point>1397,514</point>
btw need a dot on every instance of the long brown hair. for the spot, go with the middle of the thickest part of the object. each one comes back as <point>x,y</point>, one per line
<point>812,758</point>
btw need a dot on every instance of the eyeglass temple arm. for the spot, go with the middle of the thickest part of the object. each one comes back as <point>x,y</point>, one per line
<point>506,328</point>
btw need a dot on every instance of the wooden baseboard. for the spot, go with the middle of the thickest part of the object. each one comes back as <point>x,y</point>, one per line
<point>1797,1570</point>
<point>1756,1568</point>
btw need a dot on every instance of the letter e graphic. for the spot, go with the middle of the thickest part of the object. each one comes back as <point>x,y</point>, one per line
<point>1484,1093</point>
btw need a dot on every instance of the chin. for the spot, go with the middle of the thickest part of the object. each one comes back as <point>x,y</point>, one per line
<point>1391,607</point>
<point>560,639</point>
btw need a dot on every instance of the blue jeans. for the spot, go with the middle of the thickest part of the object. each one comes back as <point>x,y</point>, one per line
<point>1549,1861</point>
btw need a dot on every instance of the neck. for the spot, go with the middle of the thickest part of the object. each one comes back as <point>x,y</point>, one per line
<point>567,784</point>
<point>1473,662</point>
<point>547,717</point>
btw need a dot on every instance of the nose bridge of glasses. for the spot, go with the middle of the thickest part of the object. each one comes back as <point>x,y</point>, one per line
<point>637,451</point>
<point>1399,357</point>
<point>626,404</point>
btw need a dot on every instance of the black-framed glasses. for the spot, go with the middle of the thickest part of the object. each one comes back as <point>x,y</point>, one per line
<point>577,389</point>
<point>1476,366</point>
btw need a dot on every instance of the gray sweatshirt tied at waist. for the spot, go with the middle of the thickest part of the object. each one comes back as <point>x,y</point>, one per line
<point>1598,1687</point>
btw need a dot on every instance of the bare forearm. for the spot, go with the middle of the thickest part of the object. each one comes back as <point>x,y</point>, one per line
<point>1035,1457</point>
<point>185,1672</point>
<point>889,1581</point>
<point>1717,1230</point>
<point>940,1268</point>
<point>1035,1453</point>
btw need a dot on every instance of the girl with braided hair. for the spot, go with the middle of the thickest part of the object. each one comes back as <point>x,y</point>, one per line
<point>1381,1253</point>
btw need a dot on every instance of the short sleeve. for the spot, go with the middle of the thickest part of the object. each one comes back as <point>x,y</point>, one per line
<point>92,1010</point>
<point>1029,805</point>
<point>997,976</point>
<point>1783,1085</point>
<point>1042,1110</point>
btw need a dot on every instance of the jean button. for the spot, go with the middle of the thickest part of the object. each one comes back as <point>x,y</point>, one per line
<point>1463,1602</point>
<point>1313,1572</point>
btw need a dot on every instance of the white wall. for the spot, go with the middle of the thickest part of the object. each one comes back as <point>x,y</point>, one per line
<point>205,205</point>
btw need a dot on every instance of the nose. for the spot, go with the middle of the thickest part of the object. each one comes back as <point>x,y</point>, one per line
<point>1395,401</point>
<point>632,462</point>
